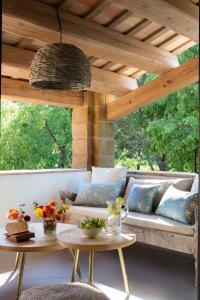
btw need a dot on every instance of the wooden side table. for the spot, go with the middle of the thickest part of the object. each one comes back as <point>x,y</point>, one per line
<point>72,238</point>
<point>41,243</point>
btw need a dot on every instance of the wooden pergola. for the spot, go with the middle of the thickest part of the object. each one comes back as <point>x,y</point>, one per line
<point>122,38</point>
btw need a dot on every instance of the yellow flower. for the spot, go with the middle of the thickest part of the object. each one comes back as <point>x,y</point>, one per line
<point>65,207</point>
<point>38,212</point>
<point>53,203</point>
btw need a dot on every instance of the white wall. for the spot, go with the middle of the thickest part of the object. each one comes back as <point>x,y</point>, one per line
<point>25,187</point>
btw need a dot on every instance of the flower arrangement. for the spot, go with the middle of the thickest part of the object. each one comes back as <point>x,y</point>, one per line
<point>92,223</point>
<point>50,211</point>
<point>18,214</point>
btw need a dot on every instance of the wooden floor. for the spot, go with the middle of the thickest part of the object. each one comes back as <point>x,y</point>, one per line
<point>153,274</point>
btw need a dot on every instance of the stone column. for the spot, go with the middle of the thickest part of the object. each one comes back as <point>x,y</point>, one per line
<point>92,135</point>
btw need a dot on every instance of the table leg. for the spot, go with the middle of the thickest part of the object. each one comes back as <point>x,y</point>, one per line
<point>78,268</point>
<point>16,262</point>
<point>76,256</point>
<point>21,272</point>
<point>124,274</point>
<point>91,267</point>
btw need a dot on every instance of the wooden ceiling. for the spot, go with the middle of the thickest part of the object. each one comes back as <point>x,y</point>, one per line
<point>136,29</point>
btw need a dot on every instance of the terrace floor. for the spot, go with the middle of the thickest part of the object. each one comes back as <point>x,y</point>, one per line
<point>153,274</point>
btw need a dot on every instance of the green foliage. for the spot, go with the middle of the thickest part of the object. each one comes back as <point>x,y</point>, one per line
<point>35,136</point>
<point>92,223</point>
<point>164,134</point>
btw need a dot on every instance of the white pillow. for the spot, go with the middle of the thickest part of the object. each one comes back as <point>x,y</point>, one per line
<point>195,185</point>
<point>108,175</point>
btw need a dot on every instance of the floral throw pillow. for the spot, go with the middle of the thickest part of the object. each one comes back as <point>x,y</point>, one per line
<point>178,205</point>
<point>141,197</point>
<point>96,194</point>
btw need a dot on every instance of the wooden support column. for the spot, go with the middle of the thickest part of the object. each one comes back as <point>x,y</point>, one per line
<point>93,136</point>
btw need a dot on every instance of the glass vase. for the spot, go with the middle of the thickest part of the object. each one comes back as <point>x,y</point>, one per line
<point>49,226</point>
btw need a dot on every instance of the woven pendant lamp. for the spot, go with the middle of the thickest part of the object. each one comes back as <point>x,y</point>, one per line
<point>60,66</point>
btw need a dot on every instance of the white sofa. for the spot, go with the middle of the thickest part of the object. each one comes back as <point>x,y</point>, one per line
<point>152,229</point>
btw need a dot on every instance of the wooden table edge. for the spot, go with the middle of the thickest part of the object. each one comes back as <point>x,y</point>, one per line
<point>100,248</point>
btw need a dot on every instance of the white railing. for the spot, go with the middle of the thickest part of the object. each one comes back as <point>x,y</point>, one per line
<point>19,187</point>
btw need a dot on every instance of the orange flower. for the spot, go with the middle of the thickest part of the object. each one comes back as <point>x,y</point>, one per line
<point>13,216</point>
<point>53,202</point>
<point>20,216</point>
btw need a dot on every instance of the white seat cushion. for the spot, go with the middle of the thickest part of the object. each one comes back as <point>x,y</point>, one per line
<point>88,211</point>
<point>159,223</point>
<point>135,219</point>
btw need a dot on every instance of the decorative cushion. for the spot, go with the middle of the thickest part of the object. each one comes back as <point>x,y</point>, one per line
<point>70,291</point>
<point>67,197</point>
<point>181,183</point>
<point>108,175</point>
<point>96,194</point>
<point>141,197</point>
<point>178,205</point>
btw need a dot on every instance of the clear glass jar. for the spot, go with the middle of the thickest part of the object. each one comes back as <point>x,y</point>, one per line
<point>115,218</point>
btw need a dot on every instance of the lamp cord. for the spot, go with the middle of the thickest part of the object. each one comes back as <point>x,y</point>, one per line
<point>59,23</point>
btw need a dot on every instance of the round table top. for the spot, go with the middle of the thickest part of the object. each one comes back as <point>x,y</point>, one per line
<point>72,238</point>
<point>40,243</point>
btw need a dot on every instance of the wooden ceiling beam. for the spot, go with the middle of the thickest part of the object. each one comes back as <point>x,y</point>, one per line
<point>178,15</point>
<point>39,21</point>
<point>67,3</point>
<point>154,35</point>
<point>138,27</point>
<point>95,11</point>
<point>16,63</point>
<point>166,84</point>
<point>20,90</point>
<point>119,19</point>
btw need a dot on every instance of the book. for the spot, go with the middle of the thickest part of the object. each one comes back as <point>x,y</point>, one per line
<point>20,237</point>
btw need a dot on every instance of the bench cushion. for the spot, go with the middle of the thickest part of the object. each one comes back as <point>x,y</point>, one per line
<point>107,175</point>
<point>180,183</point>
<point>75,213</point>
<point>178,205</point>
<point>96,194</point>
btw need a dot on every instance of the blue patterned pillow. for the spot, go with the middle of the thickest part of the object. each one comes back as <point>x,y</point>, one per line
<point>178,205</point>
<point>141,197</point>
<point>96,194</point>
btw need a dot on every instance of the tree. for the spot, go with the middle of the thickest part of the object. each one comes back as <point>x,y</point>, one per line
<point>164,133</point>
<point>35,136</point>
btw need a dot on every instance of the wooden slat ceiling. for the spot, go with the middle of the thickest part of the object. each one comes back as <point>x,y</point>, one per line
<point>116,18</point>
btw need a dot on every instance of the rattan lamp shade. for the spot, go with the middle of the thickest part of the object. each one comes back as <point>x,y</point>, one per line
<point>60,66</point>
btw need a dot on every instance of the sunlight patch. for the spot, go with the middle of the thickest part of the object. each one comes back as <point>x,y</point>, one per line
<point>115,293</point>
<point>7,277</point>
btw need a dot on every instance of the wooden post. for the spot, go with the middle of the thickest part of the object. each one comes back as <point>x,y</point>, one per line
<point>93,136</point>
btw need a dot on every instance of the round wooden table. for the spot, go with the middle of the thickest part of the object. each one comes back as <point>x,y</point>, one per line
<point>73,239</point>
<point>41,243</point>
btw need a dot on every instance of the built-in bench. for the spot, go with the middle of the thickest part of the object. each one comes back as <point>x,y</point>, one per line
<point>152,229</point>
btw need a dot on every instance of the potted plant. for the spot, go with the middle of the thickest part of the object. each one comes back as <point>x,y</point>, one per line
<point>91,227</point>
<point>50,214</point>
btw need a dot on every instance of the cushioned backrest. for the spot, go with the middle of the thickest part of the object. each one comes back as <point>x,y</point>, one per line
<point>195,184</point>
<point>180,183</point>
<point>108,175</point>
